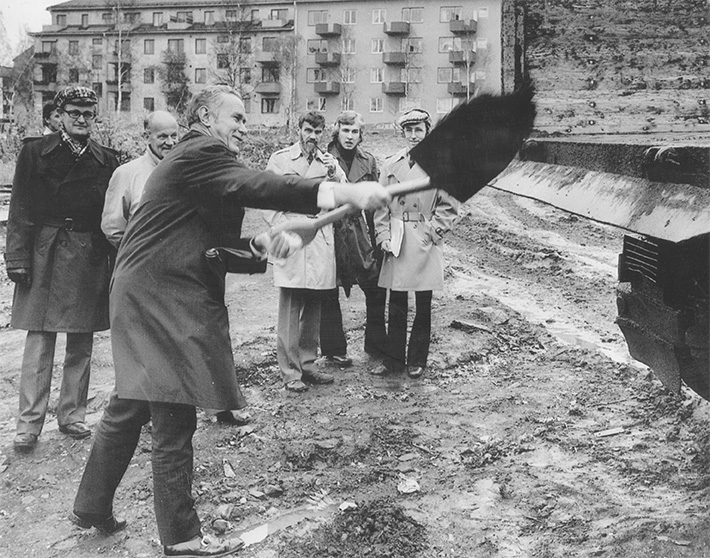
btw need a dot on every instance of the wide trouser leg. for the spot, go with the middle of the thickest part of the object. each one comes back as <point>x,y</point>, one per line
<point>75,379</point>
<point>309,330</point>
<point>35,381</point>
<point>332,336</point>
<point>397,330</point>
<point>375,333</point>
<point>115,442</point>
<point>172,460</point>
<point>287,333</point>
<point>420,337</point>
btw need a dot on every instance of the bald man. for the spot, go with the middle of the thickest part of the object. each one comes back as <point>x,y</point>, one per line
<point>127,182</point>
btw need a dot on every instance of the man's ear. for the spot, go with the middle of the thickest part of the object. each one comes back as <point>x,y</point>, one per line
<point>203,113</point>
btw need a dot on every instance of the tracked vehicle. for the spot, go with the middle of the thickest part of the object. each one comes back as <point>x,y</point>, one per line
<point>660,194</point>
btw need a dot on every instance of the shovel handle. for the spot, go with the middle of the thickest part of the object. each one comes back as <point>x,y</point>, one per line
<point>306,228</point>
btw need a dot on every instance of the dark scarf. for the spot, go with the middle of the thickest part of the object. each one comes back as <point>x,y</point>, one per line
<point>347,155</point>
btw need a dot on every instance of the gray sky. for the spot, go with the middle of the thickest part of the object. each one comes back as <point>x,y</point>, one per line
<point>20,14</point>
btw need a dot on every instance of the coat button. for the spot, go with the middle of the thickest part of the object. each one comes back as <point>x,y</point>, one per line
<point>63,243</point>
<point>401,202</point>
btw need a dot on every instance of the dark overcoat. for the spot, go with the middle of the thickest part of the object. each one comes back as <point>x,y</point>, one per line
<point>169,322</point>
<point>356,259</point>
<point>68,259</point>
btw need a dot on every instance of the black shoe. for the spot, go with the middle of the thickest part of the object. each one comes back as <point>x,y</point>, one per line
<point>316,377</point>
<point>76,430</point>
<point>203,546</point>
<point>24,443</point>
<point>416,371</point>
<point>107,526</point>
<point>344,361</point>
<point>234,418</point>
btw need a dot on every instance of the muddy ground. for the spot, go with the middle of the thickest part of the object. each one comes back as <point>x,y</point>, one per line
<point>532,435</point>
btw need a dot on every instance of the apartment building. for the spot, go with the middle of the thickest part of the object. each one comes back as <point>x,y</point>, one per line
<point>376,57</point>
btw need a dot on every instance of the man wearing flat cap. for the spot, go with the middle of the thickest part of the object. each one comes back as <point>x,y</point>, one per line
<point>410,232</point>
<point>58,258</point>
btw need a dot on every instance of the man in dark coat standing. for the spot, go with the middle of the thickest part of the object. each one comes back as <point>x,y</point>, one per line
<point>169,323</point>
<point>357,260</point>
<point>59,260</point>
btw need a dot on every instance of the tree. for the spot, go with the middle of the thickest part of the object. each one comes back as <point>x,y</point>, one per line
<point>123,23</point>
<point>234,62</point>
<point>175,81</point>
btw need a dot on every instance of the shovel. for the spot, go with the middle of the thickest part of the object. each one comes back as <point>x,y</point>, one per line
<point>467,149</point>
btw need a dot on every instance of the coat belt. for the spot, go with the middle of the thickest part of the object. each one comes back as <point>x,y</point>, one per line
<point>411,216</point>
<point>71,224</point>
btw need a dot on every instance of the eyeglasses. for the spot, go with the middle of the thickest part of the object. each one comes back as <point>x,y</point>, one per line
<point>76,114</point>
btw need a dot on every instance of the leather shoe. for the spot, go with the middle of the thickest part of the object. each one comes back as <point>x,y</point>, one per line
<point>296,385</point>
<point>76,430</point>
<point>235,418</point>
<point>344,361</point>
<point>380,370</point>
<point>107,526</point>
<point>25,442</point>
<point>316,377</point>
<point>415,371</point>
<point>203,546</point>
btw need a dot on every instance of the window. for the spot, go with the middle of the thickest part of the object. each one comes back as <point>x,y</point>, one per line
<point>407,103</point>
<point>448,13</point>
<point>268,105</point>
<point>148,75</point>
<point>222,61</point>
<point>62,20</point>
<point>376,104</point>
<point>412,44</point>
<point>247,103</point>
<point>74,75</point>
<point>97,41</point>
<point>231,15</point>
<point>184,17</point>
<point>222,39</point>
<point>270,44</point>
<point>317,104</point>
<point>97,61</point>
<point>321,104</point>
<point>482,13</point>
<point>49,73</point>
<point>245,75</point>
<point>482,44</point>
<point>348,46</point>
<point>200,75</point>
<point>413,15</point>
<point>317,16</point>
<point>279,13</point>
<point>377,75</point>
<point>348,75</point>
<point>347,103</point>
<point>317,45</point>
<point>84,20</point>
<point>254,15</point>
<point>131,17</point>
<point>149,104</point>
<point>445,75</point>
<point>200,46</point>
<point>157,19</point>
<point>269,74</point>
<point>411,75</point>
<point>126,102</point>
<point>107,17</point>
<point>124,46</point>
<point>315,75</point>
<point>48,46</point>
<point>349,17</point>
<point>98,88</point>
<point>480,75</point>
<point>209,18</point>
<point>447,44</point>
<point>444,106</point>
<point>149,46</point>
<point>73,47</point>
<point>245,45</point>
<point>377,46</point>
<point>176,46</point>
<point>379,16</point>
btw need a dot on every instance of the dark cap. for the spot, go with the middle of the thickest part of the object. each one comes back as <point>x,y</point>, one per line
<point>76,95</point>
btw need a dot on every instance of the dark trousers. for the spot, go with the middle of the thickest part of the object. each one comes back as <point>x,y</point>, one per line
<point>415,353</point>
<point>114,444</point>
<point>332,336</point>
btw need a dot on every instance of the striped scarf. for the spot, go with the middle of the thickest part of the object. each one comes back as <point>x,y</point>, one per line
<point>75,147</point>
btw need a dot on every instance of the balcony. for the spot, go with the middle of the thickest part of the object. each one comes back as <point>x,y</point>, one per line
<point>396,27</point>
<point>112,86</point>
<point>328,58</point>
<point>329,29</point>
<point>126,57</point>
<point>53,28</point>
<point>273,23</point>
<point>398,88</point>
<point>267,58</point>
<point>394,58</point>
<point>327,87</point>
<point>462,57</point>
<point>463,27</point>
<point>42,85</point>
<point>268,88</point>
<point>44,57</point>
<point>458,89</point>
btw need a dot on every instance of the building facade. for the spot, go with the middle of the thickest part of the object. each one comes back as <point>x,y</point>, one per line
<point>376,57</point>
